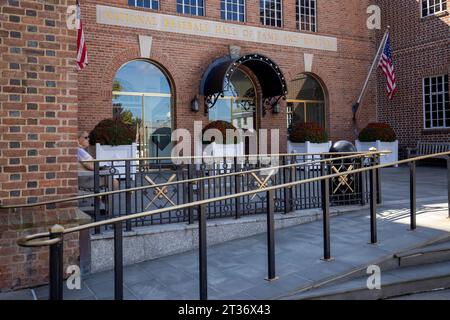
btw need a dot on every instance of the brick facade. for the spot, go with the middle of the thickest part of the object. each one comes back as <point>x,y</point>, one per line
<point>185,58</point>
<point>44,101</point>
<point>38,132</point>
<point>421,49</point>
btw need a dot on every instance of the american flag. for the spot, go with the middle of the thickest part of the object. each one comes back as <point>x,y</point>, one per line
<point>387,65</point>
<point>82,59</point>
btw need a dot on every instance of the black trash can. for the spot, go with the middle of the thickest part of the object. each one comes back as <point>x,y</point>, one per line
<point>346,189</point>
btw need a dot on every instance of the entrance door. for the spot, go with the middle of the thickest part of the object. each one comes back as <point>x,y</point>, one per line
<point>238,106</point>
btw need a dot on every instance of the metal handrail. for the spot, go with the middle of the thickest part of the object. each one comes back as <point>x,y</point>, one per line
<point>23,241</point>
<point>257,155</point>
<point>108,193</point>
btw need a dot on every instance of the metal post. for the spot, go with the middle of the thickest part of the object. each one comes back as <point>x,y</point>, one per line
<point>118,261</point>
<point>412,193</point>
<point>237,189</point>
<point>128,194</point>
<point>56,264</point>
<point>271,235</point>
<point>202,234</point>
<point>326,215</point>
<point>378,176</point>
<point>96,190</point>
<point>287,191</point>
<point>448,184</point>
<point>363,183</point>
<point>191,192</point>
<point>373,206</point>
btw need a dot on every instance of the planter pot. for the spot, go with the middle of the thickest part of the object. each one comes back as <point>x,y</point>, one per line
<point>117,152</point>
<point>229,151</point>
<point>380,145</point>
<point>309,147</point>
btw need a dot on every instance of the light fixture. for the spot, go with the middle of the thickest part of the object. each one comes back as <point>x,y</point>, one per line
<point>195,105</point>
<point>272,103</point>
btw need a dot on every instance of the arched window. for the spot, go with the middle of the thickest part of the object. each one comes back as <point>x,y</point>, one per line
<point>238,106</point>
<point>143,95</point>
<point>306,101</point>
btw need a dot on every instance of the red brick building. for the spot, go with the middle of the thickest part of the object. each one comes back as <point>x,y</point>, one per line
<point>420,36</point>
<point>179,48</point>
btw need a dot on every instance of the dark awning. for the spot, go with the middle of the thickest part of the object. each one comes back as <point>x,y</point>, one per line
<point>268,73</point>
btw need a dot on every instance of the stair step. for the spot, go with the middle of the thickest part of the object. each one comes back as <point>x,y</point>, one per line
<point>439,247</point>
<point>393,283</point>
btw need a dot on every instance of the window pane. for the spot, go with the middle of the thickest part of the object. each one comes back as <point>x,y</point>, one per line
<point>142,94</point>
<point>232,10</point>
<point>193,7</point>
<point>150,4</point>
<point>306,101</point>
<point>306,15</point>
<point>436,108</point>
<point>430,7</point>
<point>271,12</point>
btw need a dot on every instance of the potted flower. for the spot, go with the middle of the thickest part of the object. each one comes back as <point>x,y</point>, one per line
<point>218,142</point>
<point>308,137</point>
<point>380,136</point>
<point>115,139</point>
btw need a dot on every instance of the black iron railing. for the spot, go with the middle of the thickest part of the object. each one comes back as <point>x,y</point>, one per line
<point>174,184</point>
<point>57,233</point>
<point>153,183</point>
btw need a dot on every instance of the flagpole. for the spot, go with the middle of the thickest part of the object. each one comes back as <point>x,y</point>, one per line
<point>376,60</point>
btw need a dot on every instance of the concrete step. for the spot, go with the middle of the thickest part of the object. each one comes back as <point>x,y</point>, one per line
<point>435,251</point>
<point>438,252</point>
<point>399,282</point>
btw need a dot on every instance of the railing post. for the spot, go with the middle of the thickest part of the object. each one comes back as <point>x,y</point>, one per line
<point>237,189</point>
<point>412,193</point>
<point>378,176</point>
<point>56,264</point>
<point>191,192</point>
<point>118,261</point>
<point>326,215</point>
<point>373,206</point>
<point>128,193</point>
<point>271,236</point>
<point>287,191</point>
<point>448,184</point>
<point>363,183</point>
<point>96,190</point>
<point>202,254</point>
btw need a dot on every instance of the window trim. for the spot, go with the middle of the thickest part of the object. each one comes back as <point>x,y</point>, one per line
<point>437,13</point>
<point>444,127</point>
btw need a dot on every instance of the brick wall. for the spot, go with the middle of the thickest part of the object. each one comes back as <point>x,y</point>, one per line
<point>38,132</point>
<point>421,49</point>
<point>185,58</point>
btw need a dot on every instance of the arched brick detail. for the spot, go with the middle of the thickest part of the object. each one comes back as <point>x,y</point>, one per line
<point>132,54</point>
<point>161,60</point>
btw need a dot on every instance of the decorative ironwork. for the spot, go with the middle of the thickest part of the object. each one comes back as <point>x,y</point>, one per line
<point>272,104</point>
<point>344,181</point>
<point>159,192</point>
<point>211,100</point>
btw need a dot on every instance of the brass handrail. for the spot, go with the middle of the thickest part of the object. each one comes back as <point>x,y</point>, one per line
<point>257,155</point>
<point>107,193</point>
<point>23,241</point>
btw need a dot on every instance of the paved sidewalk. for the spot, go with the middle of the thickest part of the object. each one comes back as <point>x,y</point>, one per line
<point>237,269</point>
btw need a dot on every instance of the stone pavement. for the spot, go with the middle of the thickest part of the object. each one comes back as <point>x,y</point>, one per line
<point>237,269</point>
